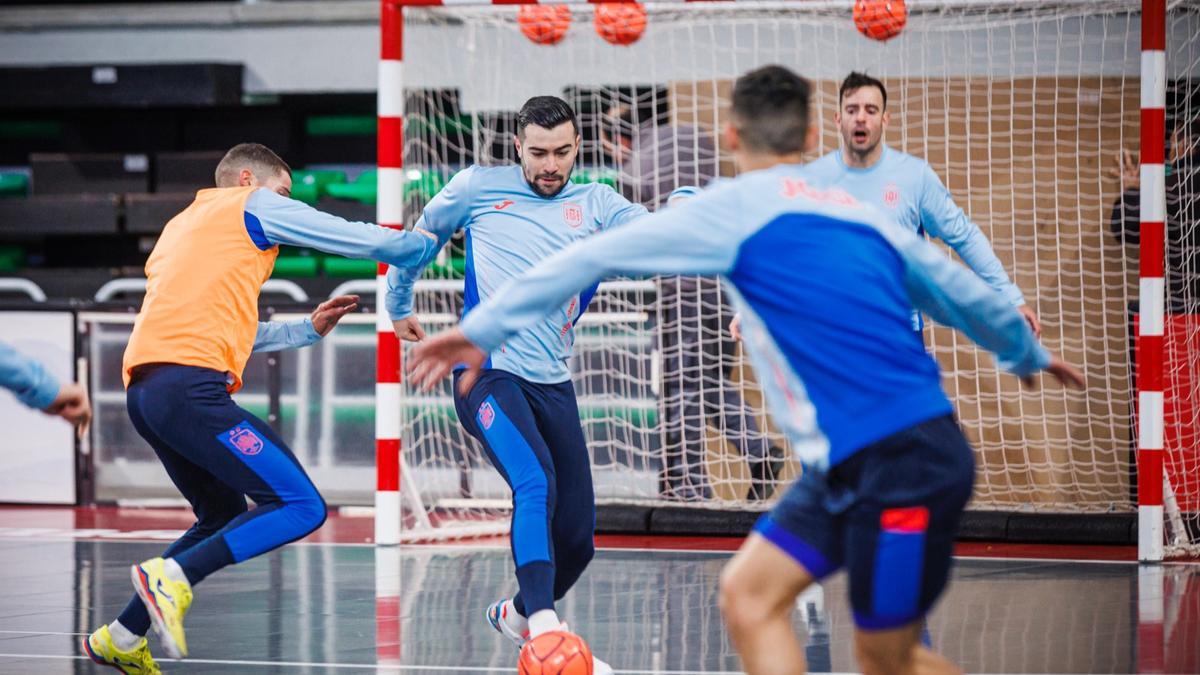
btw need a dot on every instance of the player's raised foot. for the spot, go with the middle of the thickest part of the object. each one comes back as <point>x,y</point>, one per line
<point>99,647</point>
<point>167,598</point>
<point>504,618</point>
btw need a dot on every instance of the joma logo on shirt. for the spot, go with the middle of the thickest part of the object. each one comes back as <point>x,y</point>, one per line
<point>503,205</point>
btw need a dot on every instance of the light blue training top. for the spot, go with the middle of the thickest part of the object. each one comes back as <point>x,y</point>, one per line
<point>906,188</point>
<point>509,229</point>
<point>26,378</point>
<point>825,284</point>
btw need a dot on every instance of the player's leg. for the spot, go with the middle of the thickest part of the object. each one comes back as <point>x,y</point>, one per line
<point>794,545</point>
<point>573,523</point>
<point>190,410</point>
<point>912,489</point>
<point>122,642</point>
<point>497,413</point>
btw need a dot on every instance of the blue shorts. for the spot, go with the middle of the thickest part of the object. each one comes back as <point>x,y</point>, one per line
<point>888,514</point>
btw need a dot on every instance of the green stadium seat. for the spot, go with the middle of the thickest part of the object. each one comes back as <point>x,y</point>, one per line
<point>309,186</point>
<point>14,184</point>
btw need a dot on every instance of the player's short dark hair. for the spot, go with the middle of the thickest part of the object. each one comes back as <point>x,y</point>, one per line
<point>855,81</point>
<point>261,160</point>
<point>770,110</point>
<point>546,112</point>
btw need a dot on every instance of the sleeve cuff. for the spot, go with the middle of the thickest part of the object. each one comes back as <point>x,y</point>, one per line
<point>311,335</point>
<point>43,395</point>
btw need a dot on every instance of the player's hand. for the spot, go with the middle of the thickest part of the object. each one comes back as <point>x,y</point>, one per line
<point>72,405</point>
<point>328,313</point>
<point>735,327</point>
<point>1127,170</point>
<point>1031,318</point>
<point>409,329</point>
<point>433,359</point>
<point>1062,371</point>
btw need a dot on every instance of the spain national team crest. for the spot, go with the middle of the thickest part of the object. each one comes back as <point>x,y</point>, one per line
<point>487,415</point>
<point>245,440</point>
<point>891,195</point>
<point>573,214</point>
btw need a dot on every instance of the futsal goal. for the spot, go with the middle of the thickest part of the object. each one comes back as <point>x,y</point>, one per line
<point>1021,108</point>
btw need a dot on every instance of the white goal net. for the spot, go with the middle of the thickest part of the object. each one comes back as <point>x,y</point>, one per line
<point>1021,108</point>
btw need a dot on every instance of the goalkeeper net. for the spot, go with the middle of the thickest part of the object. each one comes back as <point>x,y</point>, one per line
<point>1021,108</point>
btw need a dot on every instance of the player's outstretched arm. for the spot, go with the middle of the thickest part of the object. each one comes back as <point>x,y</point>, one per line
<point>274,336</point>
<point>272,219</point>
<point>699,237</point>
<point>26,379</point>
<point>955,297</point>
<point>946,220</point>
<point>36,388</point>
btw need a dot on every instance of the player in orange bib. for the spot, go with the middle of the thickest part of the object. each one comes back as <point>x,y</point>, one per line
<point>196,329</point>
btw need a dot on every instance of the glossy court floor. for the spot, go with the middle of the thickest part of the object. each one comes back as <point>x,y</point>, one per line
<point>327,607</point>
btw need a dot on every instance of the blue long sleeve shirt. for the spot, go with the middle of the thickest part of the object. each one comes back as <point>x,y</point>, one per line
<point>509,229</point>
<point>26,378</point>
<point>272,219</point>
<point>825,285</point>
<point>274,336</point>
<point>906,188</point>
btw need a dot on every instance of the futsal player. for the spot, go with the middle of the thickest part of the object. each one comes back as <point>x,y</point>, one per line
<point>196,329</point>
<point>826,285</point>
<point>522,409</point>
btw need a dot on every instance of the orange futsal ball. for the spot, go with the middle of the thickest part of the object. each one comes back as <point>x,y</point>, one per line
<point>880,19</point>
<point>555,653</point>
<point>620,23</point>
<point>544,24</point>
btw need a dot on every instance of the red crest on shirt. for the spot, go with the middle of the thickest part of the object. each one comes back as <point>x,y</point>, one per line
<point>891,195</point>
<point>573,214</point>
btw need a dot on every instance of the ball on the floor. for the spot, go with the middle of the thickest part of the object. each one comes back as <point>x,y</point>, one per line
<point>555,653</point>
<point>880,19</point>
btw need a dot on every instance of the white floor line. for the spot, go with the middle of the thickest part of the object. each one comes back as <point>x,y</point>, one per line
<point>36,632</point>
<point>367,666</point>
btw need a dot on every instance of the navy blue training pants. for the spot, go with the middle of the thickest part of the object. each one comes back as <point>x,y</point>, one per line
<point>217,454</point>
<point>531,434</point>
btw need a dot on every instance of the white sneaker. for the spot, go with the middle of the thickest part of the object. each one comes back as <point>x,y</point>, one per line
<point>508,623</point>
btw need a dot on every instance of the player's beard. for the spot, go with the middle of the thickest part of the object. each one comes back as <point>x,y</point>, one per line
<point>539,190</point>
